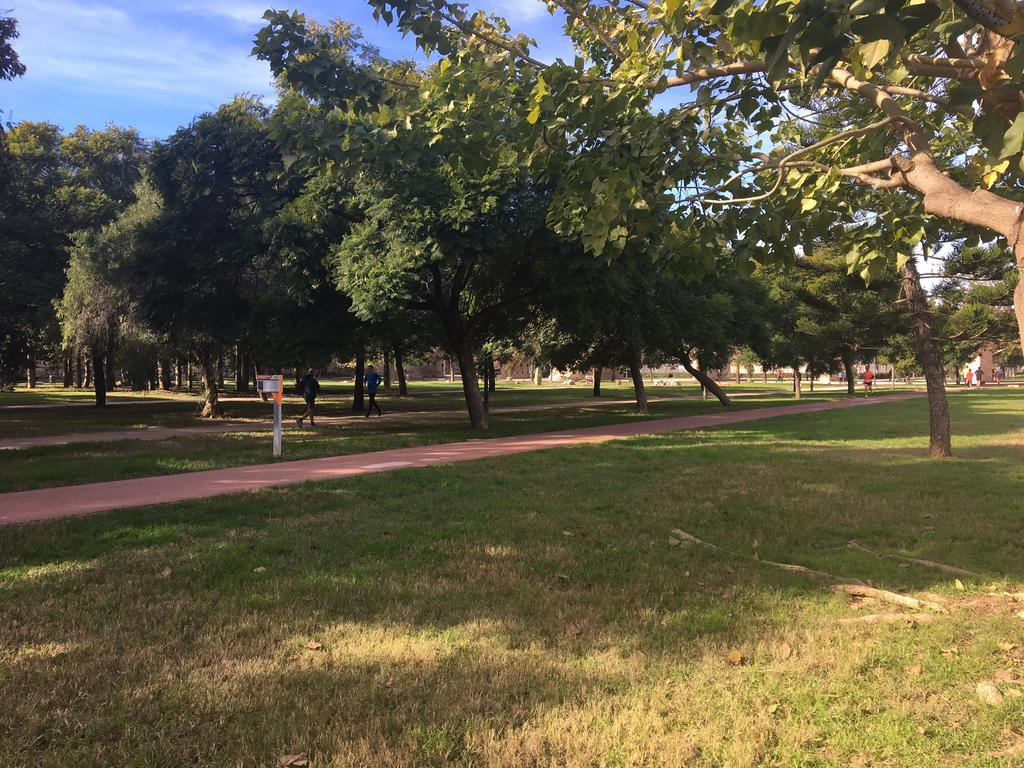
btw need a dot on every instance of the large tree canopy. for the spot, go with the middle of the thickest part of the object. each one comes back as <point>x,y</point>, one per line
<point>922,98</point>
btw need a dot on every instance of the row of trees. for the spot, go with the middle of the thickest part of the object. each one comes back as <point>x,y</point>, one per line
<point>389,206</point>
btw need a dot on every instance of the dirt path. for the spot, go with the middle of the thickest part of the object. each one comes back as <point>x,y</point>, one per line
<point>50,503</point>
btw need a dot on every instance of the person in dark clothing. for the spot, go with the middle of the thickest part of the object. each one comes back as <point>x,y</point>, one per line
<point>310,388</point>
<point>372,381</point>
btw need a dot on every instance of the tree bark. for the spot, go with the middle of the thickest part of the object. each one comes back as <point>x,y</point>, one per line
<point>797,382</point>
<point>212,409</point>
<point>706,381</point>
<point>928,355</point>
<point>67,370</point>
<point>241,379</point>
<point>99,376</point>
<point>597,381</point>
<point>189,375</point>
<point>492,382</point>
<point>166,374</point>
<point>538,375</point>
<point>636,374</point>
<point>851,375</point>
<point>110,379</point>
<point>87,380</point>
<point>358,400</point>
<point>463,349</point>
<point>30,370</point>
<point>387,368</point>
<point>403,387</point>
<point>79,373</point>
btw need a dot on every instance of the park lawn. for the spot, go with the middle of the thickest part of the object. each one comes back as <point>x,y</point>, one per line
<point>532,610</point>
<point>183,409</point>
<point>49,466</point>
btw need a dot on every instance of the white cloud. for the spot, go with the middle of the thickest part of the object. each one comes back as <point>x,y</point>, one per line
<point>104,50</point>
<point>515,10</point>
<point>243,13</point>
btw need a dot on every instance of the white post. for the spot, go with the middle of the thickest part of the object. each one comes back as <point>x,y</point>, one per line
<point>277,428</point>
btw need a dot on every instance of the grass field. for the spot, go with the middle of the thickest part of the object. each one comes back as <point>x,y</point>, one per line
<point>531,610</point>
<point>46,466</point>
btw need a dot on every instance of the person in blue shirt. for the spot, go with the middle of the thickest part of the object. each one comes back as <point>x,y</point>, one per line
<point>372,381</point>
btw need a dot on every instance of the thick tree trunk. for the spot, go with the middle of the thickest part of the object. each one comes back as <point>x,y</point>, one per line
<point>797,382</point>
<point>87,380</point>
<point>189,375</point>
<point>67,370</point>
<point>387,369</point>
<point>110,379</point>
<point>538,375</point>
<point>928,356</point>
<point>706,382</point>
<point>166,374</point>
<point>597,381</point>
<point>851,375</point>
<point>403,387</point>
<point>358,395</point>
<point>99,377</point>
<point>463,349</point>
<point>492,383</point>
<point>241,380</point>
<point>212,409</point>
<point>79,372</point>
<point>487,384</point>
<point>636,374</point>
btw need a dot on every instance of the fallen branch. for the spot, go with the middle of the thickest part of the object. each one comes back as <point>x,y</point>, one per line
<point>854,544</point>
<point>859,590</point>
<point>890,618</point>
<point>689,538</point>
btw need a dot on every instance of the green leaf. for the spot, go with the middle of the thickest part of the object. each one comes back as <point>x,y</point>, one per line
<point>880,27</point>
<point>989,128</point>
<point>872,53</point>
<point>1013,138</point>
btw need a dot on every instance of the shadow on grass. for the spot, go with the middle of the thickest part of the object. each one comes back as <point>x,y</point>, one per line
<point>502,590</point>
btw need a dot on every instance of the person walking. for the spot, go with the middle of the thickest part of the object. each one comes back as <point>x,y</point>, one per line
<point>969,377</point>
<point>309,387</point>
<point>869,380</point>
<point>372,380</point>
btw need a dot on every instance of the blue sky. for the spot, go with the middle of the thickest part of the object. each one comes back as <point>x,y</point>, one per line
<point>155,64</point>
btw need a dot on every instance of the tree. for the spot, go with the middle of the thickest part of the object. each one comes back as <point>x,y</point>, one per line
<point>451,224</point>
<point>10,65</point>
<point>847,320</point>
<point>34,240</point>
<point>97,312</point>
<point>926,98</point>
<point>202,261</point>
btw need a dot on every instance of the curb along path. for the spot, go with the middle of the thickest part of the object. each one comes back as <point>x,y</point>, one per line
<point>74,500</point>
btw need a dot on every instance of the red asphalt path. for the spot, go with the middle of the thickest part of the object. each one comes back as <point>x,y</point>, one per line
<point>74,500</point>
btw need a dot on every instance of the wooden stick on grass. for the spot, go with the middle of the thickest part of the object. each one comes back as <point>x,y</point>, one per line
<point>684,536</point>
<point>859,590</point>
<point>854,544</point>
<point>890,618</point>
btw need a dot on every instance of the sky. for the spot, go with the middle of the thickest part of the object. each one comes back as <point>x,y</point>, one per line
<point>156,64</point>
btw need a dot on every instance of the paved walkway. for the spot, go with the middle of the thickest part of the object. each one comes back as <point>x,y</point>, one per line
<point>67,501</point>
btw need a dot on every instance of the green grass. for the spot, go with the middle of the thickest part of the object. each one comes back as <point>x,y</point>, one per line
<point>46,466</point>
<point>530,610</point>
<point>178,410</point>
